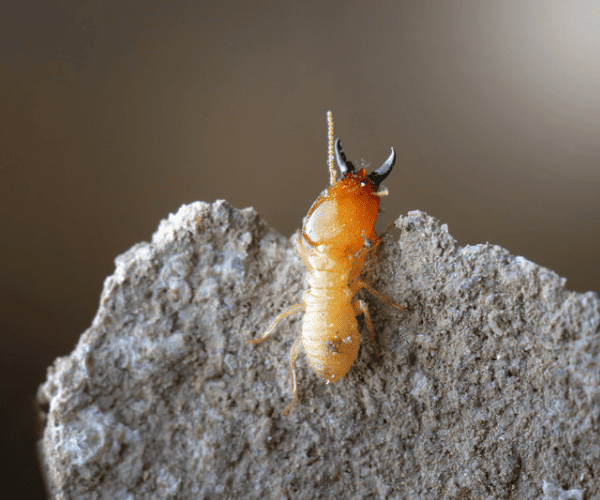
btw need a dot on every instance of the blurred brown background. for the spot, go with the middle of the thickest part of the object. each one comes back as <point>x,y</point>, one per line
<point>113,114</point>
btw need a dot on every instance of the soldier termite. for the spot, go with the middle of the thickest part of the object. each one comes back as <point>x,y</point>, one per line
<point>337,237</point>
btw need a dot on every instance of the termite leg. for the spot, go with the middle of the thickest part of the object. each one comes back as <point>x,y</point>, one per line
<point>382,235</point>
<point>294,355</point>
<point>301,249</point>
<point>372,244</point>
<point>380,296</point>
<point>360,307</point>
<point>291,310</point>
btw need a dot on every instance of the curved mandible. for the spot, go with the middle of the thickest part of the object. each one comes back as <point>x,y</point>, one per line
<point>344,165</point>
<point>382,172</point>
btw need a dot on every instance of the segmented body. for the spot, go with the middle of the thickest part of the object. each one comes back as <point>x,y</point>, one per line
<point>332,246</point>
<point>337,238</point>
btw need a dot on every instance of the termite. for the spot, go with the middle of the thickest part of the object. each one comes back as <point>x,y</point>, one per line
<point>337,237</point>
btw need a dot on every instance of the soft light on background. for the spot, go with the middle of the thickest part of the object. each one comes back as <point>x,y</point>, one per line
<point>114,114</point>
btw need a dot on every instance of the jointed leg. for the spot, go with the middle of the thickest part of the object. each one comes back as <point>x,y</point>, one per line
<point>294,355</point>
<point>373,242</point>
<point>291,310</point>
<point>360,307</point>
<point>382,235</point>
<point>380,296</point>
<point>302,251</point>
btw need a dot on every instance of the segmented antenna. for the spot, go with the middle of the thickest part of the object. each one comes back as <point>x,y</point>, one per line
<point>332,172</point>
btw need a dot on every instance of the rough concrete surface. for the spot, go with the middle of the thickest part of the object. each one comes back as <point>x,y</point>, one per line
<point>487,387</point>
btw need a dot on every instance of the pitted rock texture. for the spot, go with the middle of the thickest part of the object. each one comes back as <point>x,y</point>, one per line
<point>487,386</point>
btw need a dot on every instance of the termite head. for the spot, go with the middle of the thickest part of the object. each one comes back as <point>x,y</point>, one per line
<point>344,215</point>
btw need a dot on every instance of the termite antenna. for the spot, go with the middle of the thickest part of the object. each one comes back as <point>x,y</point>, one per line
<point>332,173</point>
<point>382,172</point>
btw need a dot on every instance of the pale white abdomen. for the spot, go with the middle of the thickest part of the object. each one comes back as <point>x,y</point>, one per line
<point>330,333</point>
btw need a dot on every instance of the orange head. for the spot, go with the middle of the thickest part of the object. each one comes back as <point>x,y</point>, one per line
<point>344,215</point>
